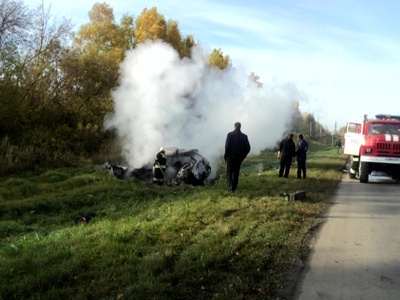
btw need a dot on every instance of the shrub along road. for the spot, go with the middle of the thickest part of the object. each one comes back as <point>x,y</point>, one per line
<point>355,255</point>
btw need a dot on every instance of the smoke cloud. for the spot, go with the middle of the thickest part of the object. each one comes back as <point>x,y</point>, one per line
<point>163,100</point>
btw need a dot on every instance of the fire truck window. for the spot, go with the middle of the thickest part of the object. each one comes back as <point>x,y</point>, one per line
<point>394,129</point>
<point>384,129</point>
<point>352,128</point>
<point>375,129</point>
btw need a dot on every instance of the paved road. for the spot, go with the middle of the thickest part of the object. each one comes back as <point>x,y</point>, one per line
<point>356,253</point>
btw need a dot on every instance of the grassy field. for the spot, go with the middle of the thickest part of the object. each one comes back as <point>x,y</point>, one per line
<point>152,242</point>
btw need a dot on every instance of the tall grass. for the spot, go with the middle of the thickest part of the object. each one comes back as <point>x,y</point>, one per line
<point>152,242</point>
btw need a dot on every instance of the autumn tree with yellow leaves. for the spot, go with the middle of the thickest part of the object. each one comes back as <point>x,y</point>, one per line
<point>151,25</point>
<point>55,85</point>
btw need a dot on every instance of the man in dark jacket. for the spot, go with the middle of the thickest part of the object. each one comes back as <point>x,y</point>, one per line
<point>287,150</point>
<point>237,147</point>
<point>301,154</point>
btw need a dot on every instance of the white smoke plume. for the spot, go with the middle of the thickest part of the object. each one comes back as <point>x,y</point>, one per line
<point>163,100</point>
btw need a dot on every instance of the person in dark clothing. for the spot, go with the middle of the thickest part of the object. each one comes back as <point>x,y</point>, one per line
<point>159,167</point>
<point>338,146</point>
<point>287,150</point>
<point>237,147</point>
<point>301,154</point>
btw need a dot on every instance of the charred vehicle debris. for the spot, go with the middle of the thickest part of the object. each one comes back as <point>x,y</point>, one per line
<point>183,165</point>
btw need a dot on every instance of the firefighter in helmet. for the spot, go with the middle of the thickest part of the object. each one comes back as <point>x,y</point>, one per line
<point>160,165</point>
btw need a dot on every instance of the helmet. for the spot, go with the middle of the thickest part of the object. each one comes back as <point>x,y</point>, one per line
<point>161,149</point>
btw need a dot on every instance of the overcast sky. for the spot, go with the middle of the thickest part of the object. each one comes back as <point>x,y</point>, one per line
<point>343,55</point>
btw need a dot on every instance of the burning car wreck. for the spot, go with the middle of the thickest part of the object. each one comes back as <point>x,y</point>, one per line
<point>182,165</point>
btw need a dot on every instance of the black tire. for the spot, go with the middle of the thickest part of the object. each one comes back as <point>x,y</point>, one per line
<point>395,172</point>
<point>364,172</point>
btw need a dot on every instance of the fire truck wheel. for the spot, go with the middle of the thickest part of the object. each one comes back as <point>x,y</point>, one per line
<point>364,172</point>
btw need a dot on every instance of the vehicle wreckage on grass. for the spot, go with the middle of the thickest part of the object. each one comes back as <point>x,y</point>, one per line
<point>183,165</point>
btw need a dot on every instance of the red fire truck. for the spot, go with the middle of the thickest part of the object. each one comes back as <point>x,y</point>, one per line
<point>374,145</point>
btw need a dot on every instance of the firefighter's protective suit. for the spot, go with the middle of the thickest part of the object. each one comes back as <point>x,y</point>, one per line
<point>159,167</point>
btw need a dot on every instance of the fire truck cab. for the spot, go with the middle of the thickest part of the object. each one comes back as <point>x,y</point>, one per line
<point>374,145</point>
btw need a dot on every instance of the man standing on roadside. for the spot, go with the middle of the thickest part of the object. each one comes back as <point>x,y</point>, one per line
<point>287,150</point>
<point>338,146</point>
<point>237,147</point>
<point>301,154</point>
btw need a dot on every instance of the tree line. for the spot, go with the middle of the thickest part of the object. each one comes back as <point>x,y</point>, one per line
<point>55,85</point>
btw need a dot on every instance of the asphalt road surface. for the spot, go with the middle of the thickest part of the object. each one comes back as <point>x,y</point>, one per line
<point>356,252</point>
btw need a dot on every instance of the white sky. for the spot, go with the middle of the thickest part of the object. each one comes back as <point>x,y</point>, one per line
<point>342,54</point>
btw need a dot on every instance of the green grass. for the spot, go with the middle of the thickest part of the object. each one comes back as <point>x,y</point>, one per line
<point>152,242</point>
